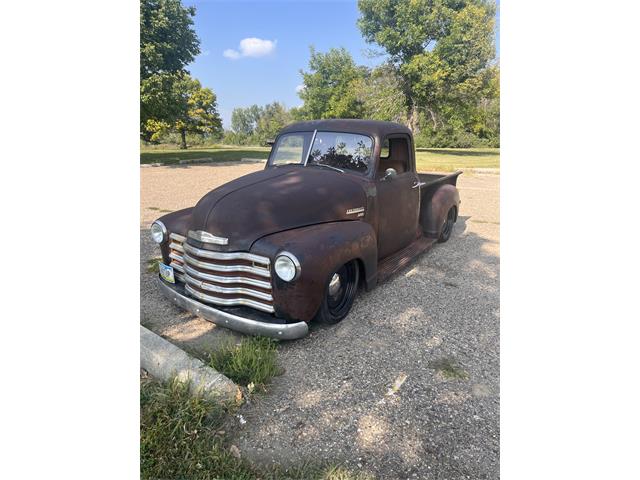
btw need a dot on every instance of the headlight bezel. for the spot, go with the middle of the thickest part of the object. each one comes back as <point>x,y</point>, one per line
<point>163,231</point>
<point>290,257</point>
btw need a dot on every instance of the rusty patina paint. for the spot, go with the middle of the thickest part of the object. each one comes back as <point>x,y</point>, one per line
<point>325,218</point>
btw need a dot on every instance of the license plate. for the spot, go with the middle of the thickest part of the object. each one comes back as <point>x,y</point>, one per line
<point>166,272</point>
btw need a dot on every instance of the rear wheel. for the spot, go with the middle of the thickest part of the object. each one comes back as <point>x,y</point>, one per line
<point>340,291</point>
<point>447,228</point>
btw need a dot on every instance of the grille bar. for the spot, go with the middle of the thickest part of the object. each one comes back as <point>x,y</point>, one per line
<point>224,301</point>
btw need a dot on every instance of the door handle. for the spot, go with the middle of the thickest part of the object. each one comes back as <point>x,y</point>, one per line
<point>418,185</point>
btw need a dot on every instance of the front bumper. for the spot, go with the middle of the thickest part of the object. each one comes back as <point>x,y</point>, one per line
<point>284,331</point>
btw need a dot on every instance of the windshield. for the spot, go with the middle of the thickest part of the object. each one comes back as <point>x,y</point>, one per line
<point>291,148</point>
<point>346,151</point>
<point>343,151</point>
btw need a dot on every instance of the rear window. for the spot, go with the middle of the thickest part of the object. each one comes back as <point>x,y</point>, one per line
<point>346,151</point>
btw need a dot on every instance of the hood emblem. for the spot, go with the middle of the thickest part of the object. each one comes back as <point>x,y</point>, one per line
<point>359,210</point>
<point>206,237</point>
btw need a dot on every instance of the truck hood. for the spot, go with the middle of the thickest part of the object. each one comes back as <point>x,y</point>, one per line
<point>274,200</point>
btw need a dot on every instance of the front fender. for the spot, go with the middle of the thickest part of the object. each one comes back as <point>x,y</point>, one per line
<point>321,250</point>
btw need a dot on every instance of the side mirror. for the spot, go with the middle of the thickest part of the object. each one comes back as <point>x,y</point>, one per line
<point>269,142</point>
<point>389,174</point>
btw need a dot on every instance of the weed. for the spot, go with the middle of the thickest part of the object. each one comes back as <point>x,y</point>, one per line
<point>153,265</point>
<point>252,361</point>
<point>449,368</point>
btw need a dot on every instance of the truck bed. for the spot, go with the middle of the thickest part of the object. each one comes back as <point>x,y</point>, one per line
<point>433,180</point>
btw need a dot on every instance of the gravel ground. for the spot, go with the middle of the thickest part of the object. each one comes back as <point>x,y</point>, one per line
<point>335,401</point>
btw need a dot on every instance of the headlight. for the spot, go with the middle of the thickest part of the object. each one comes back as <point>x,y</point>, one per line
<point>287,266</point>
<point>158,231</point>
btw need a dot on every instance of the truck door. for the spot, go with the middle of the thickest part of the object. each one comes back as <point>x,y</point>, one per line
<point>398,196</point>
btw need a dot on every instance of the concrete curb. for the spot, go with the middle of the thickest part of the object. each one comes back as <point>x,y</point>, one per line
<point>163,360</point>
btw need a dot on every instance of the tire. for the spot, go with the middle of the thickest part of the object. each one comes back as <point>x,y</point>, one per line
<point>338,297</point>
<point>447,228</point>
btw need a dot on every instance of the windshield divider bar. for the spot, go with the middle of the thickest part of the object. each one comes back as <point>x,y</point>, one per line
<point>313,139</point>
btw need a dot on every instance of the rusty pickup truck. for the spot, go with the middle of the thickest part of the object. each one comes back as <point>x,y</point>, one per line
<point>339,205</point>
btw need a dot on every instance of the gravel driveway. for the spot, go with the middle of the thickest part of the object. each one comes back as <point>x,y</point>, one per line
<point>435,325</point>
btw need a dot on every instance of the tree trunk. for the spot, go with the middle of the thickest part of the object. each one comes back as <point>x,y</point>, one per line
<point>412,121</point>
<point>434,119</point>
<point>183,136</point>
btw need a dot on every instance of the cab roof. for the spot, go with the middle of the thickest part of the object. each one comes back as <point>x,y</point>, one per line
<point>374,128</point>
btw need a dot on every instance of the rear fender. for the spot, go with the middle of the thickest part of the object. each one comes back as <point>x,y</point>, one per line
<point>321,250</point>
<point>434,213</point>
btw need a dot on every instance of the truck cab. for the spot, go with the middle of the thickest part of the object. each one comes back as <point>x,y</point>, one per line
<point>338,206</point>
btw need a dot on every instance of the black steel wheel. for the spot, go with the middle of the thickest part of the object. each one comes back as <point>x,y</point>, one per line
<point>447,228</point>
<point>340,291</point>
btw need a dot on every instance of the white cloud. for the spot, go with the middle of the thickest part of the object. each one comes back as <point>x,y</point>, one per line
<point>230,53</point>
<point>251,47</point>
<point>299,88</point>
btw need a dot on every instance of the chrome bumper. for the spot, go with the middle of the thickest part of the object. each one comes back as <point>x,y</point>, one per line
<point>285,331</point>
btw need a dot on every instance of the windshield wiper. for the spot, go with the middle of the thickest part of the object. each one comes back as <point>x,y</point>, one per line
<point>327,166</point>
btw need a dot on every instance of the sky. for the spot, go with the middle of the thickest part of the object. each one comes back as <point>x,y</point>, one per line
<point>252,52</point>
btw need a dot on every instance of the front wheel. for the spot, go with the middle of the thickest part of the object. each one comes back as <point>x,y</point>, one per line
<point>340,291</point>
<point>447,228</point>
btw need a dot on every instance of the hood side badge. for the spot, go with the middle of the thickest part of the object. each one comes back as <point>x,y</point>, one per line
<point>206,237</point>
<point>359,211</point>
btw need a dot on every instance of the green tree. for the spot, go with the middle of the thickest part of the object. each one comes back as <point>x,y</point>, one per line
<point>330,85</point>
<point>381,95</point>
<point>273,118</point>
<point>244,121</point>
<point>168,44</point>
<point>440,49</point>
<point>195,111</point>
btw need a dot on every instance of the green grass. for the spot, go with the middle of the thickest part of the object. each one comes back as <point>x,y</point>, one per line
<point>427,159</point>
<point>252,361</point>
<point>449,368</point>
<point>451,159</point>
<point>181,438</point>
<point>153,265</point>
<point>218,153</point>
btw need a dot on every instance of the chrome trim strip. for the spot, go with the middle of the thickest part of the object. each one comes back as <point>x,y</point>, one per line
<point>227,268</point>
<point>288,331</point>
<point>179,276</point>
<point>220,279</point>
<point>176,246</point>
<point>226,255</point>
<point>228,290</point>
<point>177,237</point>
<point>207,237</point>
<point>229,301</point>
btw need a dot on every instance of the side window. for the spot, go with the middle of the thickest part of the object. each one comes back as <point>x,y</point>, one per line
<point>394,153</point>
<point>384,149</point>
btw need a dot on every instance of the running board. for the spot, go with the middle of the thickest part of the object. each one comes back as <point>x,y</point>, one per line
<point>392,264</point>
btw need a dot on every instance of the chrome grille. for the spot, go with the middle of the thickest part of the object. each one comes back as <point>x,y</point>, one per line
<point>222,278</point>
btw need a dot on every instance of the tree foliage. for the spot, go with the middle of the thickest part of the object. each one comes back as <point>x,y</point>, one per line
<point>195,110</point>
<point>255,125</point>
<point>330,85</point>
<point>442,51</point>
<point>168,42</point>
